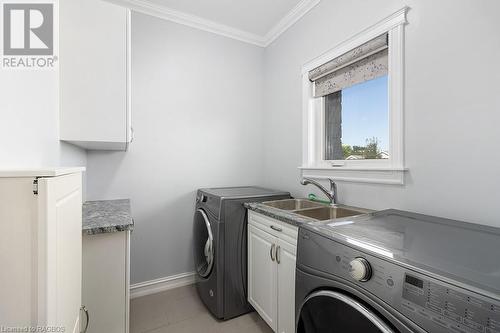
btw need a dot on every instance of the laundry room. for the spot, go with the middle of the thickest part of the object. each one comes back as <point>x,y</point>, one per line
<point>249,166</point>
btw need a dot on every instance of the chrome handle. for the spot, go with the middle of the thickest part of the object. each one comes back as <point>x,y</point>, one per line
<point>278,254</point>
<point>276,228</point>
<point>84,309</point>
<point>271,252</point>
<point>131,134</point>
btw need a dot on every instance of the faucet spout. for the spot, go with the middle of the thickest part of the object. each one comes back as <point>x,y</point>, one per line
<point>331,194</point>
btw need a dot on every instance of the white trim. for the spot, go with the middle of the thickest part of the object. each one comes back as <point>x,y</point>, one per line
<point>391,176</point>
<point>301,9</point>
<point>42,172</point>
<point>389,171</point>
<point>127,281</point>
<point>396,95</point>
<point>128,74</point>
<point>385,25</point>
<point>166,13</point>
<point>162,284</point>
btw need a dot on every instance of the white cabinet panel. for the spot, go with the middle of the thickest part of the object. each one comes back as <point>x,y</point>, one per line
<point>106,281</point>
<point>18,219</point>
<point>286,255</point>
<point>95,74</point>
<point>262,272</point>
<point>60,211</point>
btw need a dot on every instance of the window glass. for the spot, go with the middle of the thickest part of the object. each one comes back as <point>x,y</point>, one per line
<point>357,122</point>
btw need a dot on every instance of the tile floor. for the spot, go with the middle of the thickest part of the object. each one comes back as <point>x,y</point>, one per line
<point>180,310</point>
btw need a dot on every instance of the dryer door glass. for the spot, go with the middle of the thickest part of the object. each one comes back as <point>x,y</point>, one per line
<point>330,312</point>
<point>204,244</point>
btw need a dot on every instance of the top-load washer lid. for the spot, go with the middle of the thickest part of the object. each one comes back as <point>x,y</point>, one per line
<point>241,192</point>
<point>465,252</point>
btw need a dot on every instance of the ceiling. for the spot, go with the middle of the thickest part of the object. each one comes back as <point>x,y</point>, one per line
<point>253,16</point>
<point>257,22</point>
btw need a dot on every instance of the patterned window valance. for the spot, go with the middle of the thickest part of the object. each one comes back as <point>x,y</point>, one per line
<point>366,62</point>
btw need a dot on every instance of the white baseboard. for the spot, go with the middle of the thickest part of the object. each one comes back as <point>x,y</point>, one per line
<point>158,285</point>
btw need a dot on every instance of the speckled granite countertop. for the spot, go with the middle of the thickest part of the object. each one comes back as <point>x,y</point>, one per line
<point>288,216</point>
<point>107,216</point>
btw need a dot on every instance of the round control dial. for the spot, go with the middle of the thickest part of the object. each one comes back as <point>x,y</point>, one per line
<point>360,269</point>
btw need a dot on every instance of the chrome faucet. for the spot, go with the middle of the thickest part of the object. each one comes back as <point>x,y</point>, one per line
<point>332,194</point>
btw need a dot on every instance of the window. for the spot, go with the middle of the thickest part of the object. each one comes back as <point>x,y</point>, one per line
<point>353,107</point>
<point>356,122</point>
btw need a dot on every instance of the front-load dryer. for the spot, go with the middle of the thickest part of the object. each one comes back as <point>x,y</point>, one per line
<point>220,246</point>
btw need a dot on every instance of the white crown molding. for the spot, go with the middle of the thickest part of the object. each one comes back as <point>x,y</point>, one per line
<point>301,9</point>
<point>159,285</point>
<point>166,13</point>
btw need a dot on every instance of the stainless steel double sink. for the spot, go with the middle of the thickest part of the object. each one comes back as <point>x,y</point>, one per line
<point>315,210</point>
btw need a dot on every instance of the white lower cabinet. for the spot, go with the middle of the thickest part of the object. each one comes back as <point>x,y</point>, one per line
<point>272,247</point>
<point>106,284</point>
<point>262,275</point>
<point>41,250</point>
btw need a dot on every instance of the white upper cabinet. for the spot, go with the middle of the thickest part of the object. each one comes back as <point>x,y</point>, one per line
<point>95,74</point>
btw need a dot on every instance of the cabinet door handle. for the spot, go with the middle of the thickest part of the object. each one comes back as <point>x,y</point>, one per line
<point>276,228</point>
<point>84,309</point>
<point>271,252</point>
<point>278,254</point>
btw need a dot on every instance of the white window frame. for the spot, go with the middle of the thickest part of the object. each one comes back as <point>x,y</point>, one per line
<point>384,171</point>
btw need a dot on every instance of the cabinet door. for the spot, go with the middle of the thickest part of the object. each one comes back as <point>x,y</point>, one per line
<point>94,74</point>
<point>60,251</point>
<point>262,275</point>
<point>105,281</point>
<point>286,259</point>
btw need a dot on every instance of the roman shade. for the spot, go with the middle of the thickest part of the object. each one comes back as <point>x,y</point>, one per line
<point>366,62</point>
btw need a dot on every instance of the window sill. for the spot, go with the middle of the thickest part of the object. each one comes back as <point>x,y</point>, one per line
<point>375,175</point>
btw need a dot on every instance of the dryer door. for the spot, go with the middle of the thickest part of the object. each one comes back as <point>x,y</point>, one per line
<point>203,244</point>
<point>329,311</point>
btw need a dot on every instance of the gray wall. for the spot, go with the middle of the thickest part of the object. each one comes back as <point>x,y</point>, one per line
<point>210,111</point>
<point>197,116</point>
<point>451,112</point>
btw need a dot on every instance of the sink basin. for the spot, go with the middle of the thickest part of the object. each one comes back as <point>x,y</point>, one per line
<point>328,213</point>
<point>293,204</point>
<point>315,210</point>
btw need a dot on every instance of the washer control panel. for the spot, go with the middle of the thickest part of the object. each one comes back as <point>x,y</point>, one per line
<point>452,308</point>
